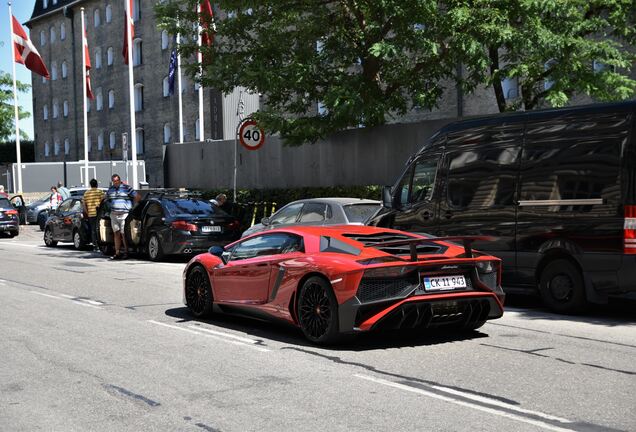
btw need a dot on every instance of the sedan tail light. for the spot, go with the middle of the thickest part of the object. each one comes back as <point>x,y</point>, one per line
<point>11,212</point>
<point>184,226</point>
<point>234,225</point>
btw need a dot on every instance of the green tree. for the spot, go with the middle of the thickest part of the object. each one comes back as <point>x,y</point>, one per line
<point>364,61</point>
<point>556,49</point>
<point>7,111</point>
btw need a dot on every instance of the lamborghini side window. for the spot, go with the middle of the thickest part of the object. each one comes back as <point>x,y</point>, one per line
<point>266,244</point>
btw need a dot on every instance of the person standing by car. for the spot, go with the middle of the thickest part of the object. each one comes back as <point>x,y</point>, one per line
<point>3,193</point>
<point>91,201</point>
<point>121,198</point>
<point>55,199</point>
<point>220,200</point>
<point>63,190</point>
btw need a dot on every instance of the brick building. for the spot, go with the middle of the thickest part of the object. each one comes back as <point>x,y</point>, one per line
<point>57,103</point>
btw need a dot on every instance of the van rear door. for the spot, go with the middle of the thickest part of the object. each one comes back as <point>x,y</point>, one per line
<point>479,192</point>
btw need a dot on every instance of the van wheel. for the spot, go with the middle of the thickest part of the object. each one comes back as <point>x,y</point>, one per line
<point>561,287</point>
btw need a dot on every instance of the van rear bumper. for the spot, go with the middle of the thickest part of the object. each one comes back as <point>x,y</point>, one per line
<point>602,284</point>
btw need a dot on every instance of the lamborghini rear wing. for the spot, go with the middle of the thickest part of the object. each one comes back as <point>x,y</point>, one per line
<point>467,241</point>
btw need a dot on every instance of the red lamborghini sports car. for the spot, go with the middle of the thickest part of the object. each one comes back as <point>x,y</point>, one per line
<point>347,279</point>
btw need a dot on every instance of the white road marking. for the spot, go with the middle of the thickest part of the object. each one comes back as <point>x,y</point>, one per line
<point>477,407</point>
<point>246,340</point>
<point>22,244</point>
<point>47,295</point>
<point>66,297</point>
<point>222,339</point>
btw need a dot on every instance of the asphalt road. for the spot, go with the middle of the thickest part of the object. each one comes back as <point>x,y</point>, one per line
<point>90,344</point>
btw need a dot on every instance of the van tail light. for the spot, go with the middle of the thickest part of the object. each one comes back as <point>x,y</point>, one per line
<point>184,226</point>
<point>629,230</point>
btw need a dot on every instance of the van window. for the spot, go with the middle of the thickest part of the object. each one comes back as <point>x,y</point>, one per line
<point>574,170</point>
<point>482,178</point>
<point>417,184</point>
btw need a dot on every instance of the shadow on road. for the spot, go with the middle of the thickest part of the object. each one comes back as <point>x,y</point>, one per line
<point>288,334</point>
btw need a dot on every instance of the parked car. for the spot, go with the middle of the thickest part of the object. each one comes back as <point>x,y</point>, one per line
<point>319,211</point>
<point>9,218</point>
<point>35,208</point>
<point>43,210</point>
<point>346,279</point>
<point>18,203</point>
<point>68,224</point>
<point>165,223</point>
<point>556,187</point>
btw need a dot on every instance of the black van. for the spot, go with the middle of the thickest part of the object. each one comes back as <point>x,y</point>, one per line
<point>557,188</point>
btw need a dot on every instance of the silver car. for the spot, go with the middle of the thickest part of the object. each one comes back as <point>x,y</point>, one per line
<point>319,211</point>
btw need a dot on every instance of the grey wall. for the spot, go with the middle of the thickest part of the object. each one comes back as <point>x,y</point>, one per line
<point>353,157</point>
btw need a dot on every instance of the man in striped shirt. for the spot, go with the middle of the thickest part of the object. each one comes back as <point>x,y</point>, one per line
<point>121,197</point>
<point>91,200</point>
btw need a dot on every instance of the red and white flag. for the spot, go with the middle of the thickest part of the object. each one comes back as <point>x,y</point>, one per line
<point>129,25</point>
<point>89,90</point>
<point>206,18</point>
<point>25,51</point>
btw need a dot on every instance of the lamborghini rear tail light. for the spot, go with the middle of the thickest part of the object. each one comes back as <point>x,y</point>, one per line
<point>184,226</point>
<point>629,230</point>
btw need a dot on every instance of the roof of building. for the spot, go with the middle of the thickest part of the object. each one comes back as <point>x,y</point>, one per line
<point>39,11</point>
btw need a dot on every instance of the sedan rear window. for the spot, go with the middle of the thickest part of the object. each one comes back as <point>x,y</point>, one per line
<point>360,212</point>
<point>192,207</point>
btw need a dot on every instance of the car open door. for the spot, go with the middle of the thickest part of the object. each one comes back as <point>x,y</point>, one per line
<point>18,202</point>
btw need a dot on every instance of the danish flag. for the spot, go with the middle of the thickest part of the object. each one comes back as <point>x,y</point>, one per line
<point>89,90</point>
<point>129,25</point>
<point>206,18</point>
<point>25,51</point>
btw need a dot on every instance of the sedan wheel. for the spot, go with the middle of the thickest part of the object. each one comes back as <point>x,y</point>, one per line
<point>198,292</point>
<point>318,311</point>
<point>48,238</point>
<point>155,253</point>
<point>78,243</point>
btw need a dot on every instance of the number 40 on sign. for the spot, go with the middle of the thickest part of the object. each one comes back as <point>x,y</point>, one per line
<point>251,136</point>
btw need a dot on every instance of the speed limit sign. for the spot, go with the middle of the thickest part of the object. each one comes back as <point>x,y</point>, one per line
<point>251,136</point>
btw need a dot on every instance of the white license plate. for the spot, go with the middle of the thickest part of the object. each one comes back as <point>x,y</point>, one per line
<point>441,283</point>
<point>210,228</point>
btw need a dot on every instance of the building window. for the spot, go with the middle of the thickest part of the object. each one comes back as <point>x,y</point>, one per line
<point>111,99</point>
<point>109,56</point>
<point>64,70</point>
<point>510,87</point>
<point>109,13</point>
<point>99,99</point>
<point>97,18</point>
<point>164,40</point>
<point>322,109</point>
<point>90,144</point>
<point>100,141</point>
<point>44,80</point>
<point>139,97</point>
<point>139,134</point>
<point>197,130</point>
<point>197,86</point>
<point>56,109</point>
<point>62,31</point>
<point>548,83</point>
<point>88,105</point>
<point>45,112</point>
<point>56,148</point>
<point>98,58</point>
<point>42,38</point>
<point>54,2</point>
<point>167,133</point>
<point>45,3</point>
<point>67,146</point>
<point>166,87</point>
<point>136,12</point>
<point>53,71</point>
<point>53,34</point>
<point>137,57</point>
<point>65,108</point>
<point>47,149</point>
<point>112,142</point>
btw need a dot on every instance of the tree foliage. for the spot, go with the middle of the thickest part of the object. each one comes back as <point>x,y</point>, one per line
<point>368,61</point>
<point>7,111</point>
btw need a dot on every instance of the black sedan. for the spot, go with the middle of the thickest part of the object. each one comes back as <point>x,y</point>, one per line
<point>67,224</point>
<point>9,219</point>
<point>164,224</point>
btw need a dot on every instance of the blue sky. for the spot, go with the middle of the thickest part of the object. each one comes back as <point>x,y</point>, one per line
<point>22,10</point>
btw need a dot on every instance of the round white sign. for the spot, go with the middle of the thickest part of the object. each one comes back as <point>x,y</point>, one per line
<point>251,136</point>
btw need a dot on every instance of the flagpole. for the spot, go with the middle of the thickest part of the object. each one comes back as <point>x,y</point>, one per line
<point>131,89</point>
<point>200,61</point>
<point>179,89</point>
<point>15,105</point>
<point>84,43</point>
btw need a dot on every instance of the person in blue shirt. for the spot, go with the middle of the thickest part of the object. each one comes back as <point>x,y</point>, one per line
<point>122,198</point>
